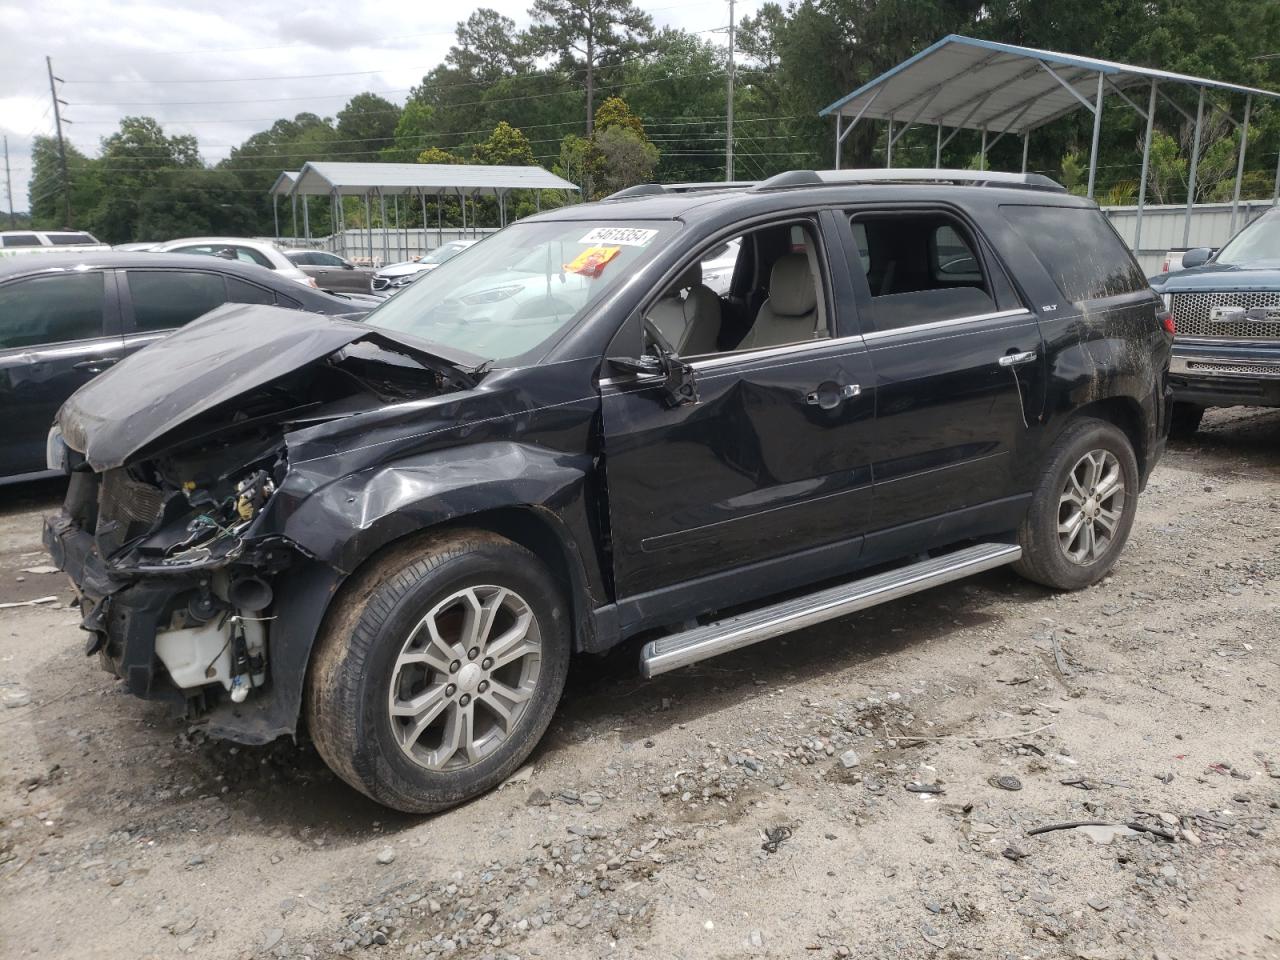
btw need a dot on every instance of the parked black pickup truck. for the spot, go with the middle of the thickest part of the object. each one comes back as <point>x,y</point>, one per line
<point>1226,306</point>
<point>399,531</point>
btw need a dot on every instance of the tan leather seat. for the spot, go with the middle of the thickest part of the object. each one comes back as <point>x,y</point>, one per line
<point>791,312</point>
<point>691,323</point>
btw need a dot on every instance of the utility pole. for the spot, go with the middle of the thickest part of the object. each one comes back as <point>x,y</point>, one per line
<point>728,139</point>
<point>62,146</point>
<point>8,184</point>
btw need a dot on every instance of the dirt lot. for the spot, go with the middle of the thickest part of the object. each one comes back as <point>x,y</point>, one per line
<point>644,826</point>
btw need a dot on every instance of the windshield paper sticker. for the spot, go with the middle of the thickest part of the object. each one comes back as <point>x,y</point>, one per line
<point>627,236</point>
<point>592,261</point>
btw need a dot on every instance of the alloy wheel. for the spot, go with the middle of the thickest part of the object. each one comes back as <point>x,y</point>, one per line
<point>465,677</point>
<point>1091,506</point>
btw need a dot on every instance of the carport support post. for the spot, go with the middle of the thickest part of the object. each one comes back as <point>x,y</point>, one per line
<point>386,240</point>
<point>439,220</point>
<point>1244,145</point>
<point>306,217</point>
<point>839,142</point>
<point>982,151</point>
<point>423,198</point>
<point>1097,133</point>
<point>275,214</point>
<point>888,146</point>
<point>368,224</point>
<point>293,201</point>
<point>1026,142</point>
<point>1146,164</point>
<point>937,150</point>
<point>1191,175</point>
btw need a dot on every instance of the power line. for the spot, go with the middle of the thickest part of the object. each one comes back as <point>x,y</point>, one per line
<point>293,76</point>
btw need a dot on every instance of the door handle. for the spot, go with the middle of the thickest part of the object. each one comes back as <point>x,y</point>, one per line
<point>1015,359</point>
<point>95,365</point>
<point>821,398</point>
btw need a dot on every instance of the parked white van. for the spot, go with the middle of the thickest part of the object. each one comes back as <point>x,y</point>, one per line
<point>48,241</point>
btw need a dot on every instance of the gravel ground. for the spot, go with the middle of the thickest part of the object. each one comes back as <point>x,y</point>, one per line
<point>863,789</point>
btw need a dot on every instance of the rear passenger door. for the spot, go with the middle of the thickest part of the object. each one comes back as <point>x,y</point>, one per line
<point>57,332</point>
<point>957,363</point>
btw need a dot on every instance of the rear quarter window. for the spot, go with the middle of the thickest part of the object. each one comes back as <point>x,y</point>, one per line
<point>1083,256</point>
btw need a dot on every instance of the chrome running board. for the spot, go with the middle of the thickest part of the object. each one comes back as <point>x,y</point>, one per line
<point>689,646</point>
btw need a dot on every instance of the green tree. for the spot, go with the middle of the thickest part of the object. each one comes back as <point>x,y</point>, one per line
<point>436,155</point>
<point>132,162</point>
<point>194,202</point>
<point>505,146</point>
<point>585,35</point>
<point>489,47</point>
<point>367,125</point>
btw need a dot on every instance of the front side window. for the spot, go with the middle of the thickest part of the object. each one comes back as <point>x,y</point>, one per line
<point>54,309</point>
<point>165,299</point>
<point>444,252</point>
<point>920,268</point>
<point>1082,254</point>
<point>523,285</point>
<point>1259,242</point>
<point>777,294</point>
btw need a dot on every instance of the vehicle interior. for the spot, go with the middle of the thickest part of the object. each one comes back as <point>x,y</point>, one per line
<point>774,296</point>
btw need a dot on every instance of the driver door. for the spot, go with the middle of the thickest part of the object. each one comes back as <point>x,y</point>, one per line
<point>764,482</point>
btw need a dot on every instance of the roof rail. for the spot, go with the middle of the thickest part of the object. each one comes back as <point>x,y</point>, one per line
<point>653,189</point>
<point>983,178</point>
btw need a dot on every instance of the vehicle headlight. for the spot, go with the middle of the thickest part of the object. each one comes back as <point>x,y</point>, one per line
<point>492,296</point>
<point>402,281</point>
<point>56,452</point>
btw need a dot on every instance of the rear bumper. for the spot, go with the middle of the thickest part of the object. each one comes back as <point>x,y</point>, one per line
<point>1223,374</point>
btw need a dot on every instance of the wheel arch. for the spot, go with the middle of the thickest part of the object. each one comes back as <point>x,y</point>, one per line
<point>1126,414</point>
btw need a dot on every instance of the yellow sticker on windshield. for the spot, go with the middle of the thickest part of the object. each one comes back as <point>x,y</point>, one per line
<point>592,261</point>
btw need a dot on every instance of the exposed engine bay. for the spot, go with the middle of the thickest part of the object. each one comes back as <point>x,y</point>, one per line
<point>175,548</point>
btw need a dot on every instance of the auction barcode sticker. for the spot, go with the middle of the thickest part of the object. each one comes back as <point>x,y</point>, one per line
<point>627,236</point>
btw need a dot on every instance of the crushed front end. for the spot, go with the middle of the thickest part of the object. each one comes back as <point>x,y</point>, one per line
<point>176,529</point>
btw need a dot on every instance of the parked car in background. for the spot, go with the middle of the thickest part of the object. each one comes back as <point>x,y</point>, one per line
<point>13,242</point>
<point>137,246</point>
<point>330,271</point>
<point>396,275</point>
<point>564,439</point>
<point>1227,309</point>
<point>236,248</point>
<point>64,320</point>
<point>1172,261</point>
<point>717,268</point>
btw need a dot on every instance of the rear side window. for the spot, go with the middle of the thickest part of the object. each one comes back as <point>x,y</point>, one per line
<point>70,239</point>
<point>21,240</point>
<point>238,291</point>
<point>53,309</point>
<point>920,268</point>
<point>1082,254</point>
<point>164,299</point>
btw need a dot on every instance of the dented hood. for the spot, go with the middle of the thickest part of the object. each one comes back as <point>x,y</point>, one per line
<point>225,354</point>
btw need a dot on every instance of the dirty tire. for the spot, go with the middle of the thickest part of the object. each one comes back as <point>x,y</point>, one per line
<point>1043,559</point>
<point>1184,420</point>
<point>356,654</point>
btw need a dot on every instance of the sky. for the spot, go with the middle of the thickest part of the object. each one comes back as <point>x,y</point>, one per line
<point>223,71</point>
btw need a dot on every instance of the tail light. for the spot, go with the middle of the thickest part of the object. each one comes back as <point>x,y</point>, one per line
<point>1166,321</point>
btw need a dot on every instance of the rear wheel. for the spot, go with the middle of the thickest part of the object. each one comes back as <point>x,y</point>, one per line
<point>1184,420</point>
<point>1083,509</point>
<point>439,671</point>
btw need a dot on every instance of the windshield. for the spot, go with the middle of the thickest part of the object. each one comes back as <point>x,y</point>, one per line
<point>1260,240</point>
<point>443,253</point>
<point>502,298</point>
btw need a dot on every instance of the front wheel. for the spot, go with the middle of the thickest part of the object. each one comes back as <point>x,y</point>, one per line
<point>438,670</point>
<point>1083,509</point>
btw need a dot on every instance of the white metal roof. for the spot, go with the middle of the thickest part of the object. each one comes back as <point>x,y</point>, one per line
<point>357,179</point>
<point>284,183</point>
<point>963,82</point>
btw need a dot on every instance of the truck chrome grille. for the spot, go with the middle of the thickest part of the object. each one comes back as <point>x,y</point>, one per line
<point>1219,366</point>
<point>1193,314</point>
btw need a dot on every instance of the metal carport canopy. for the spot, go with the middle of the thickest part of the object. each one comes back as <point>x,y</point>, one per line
<point>963,83</point>
<point>358,179</point>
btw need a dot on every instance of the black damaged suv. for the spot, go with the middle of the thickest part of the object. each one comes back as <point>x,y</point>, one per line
<point>399,532</point>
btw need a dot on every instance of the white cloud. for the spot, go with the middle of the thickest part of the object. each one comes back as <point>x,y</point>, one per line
<point>149,44</point>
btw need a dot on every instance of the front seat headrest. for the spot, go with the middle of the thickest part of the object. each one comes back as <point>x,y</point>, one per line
<point>791,289</point>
